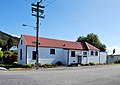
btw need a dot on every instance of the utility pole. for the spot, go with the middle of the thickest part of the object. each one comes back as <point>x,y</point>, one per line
<point>38,9</point>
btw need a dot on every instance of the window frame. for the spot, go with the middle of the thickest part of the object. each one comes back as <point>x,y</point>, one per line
<point>85,53</point>
<point>72,53</point>
<point>96,53</point>
<point>92,53</point>
<point>21,42</point>
<point>52,51</point>
<point>33,55</point>
<point>20,54</point>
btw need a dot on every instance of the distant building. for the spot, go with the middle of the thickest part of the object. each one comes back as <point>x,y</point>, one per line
<point>53,50</point>
<point>111,58</point>
<point>13,48</point>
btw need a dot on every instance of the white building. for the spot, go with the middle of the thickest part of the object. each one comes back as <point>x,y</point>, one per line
<point>111,58</point>
<point>13,48</point>
<point>53,50</point>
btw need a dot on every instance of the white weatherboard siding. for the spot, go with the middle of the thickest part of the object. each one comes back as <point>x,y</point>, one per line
<point>84,60</point>
<point>103,57</point>
<point>23,47</point>
<point>93,58</point>
<point>65,58</point>
<point>51,58</point>
<point>29,55</point>
<point>46,57</point>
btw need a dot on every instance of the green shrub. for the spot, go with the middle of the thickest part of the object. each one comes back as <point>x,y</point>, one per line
<point>117,61</point>
<point>91,63</point>
<point>1,62</point>
<point>32,65</point>
<point>26,66</point>
<point>86,64</point>
<point>48,65</point>
<point>44,66</point>
<point>15,63</point>
<point>82,64</point>
<point>54,65</point>
<point>59,63</point>
<point>39,65</point>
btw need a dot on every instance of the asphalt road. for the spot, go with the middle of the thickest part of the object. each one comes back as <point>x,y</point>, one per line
<point>103,75</point>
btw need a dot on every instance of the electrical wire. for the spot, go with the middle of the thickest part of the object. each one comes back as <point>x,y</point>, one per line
<point>31,1</point>
<point>50,3</point>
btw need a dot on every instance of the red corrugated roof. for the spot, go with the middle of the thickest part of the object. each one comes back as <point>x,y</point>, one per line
<point>91,47</point>
<point>54,43</point>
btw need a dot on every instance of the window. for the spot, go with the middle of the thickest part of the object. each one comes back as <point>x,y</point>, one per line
<point>72,53</point>
<point>96,53</point>
<point>92,53</point>
<point>84,53</point>
<point>84,56</point>
<point>34,55</point>
<point>21,42</point>
<point>20,54</point>
<point>52,51</point>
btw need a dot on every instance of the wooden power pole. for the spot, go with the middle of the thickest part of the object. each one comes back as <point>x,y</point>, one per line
<point>38,9</point>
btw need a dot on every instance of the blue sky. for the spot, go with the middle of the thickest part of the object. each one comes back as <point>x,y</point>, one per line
<point>65,19</point>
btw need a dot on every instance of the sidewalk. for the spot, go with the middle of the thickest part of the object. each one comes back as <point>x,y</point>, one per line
<point>73,68</point>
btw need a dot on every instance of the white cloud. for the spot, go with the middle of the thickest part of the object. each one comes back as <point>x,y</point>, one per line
<point>15,36</point>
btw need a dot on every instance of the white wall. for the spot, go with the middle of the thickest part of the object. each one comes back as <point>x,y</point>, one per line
<point>103,57</point>
<point>46,57</point>
<point>23,47</point>
<point>65,58</point>
<point>93,58</point>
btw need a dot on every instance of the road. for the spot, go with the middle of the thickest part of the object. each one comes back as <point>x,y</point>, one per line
<point>102,75</point>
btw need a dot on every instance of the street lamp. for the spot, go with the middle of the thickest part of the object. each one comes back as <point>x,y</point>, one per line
<point>29,26</point>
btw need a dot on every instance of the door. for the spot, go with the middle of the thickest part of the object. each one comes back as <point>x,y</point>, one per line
<point>79,59</point>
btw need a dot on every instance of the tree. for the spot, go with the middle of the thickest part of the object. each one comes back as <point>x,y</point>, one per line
<point>10,43</point>
<point>93,40</point>
<point>7,57</point>
<point>82,39</point>
<point>1,54</point>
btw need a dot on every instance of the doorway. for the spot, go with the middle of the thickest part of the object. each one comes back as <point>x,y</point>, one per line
<point>79,59</point>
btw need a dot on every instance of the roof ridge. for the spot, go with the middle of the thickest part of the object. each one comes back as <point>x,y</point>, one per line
<point>86,43</point>
<point>90,45</point>
<point>50,38</point>
<point>50,42</point>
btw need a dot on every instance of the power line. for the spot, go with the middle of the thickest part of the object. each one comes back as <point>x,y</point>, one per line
<point>50,3</point>
<point>31,1</point>
<point>43,1</point>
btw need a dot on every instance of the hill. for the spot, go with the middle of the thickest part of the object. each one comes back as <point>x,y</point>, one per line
<point>4,37</point>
